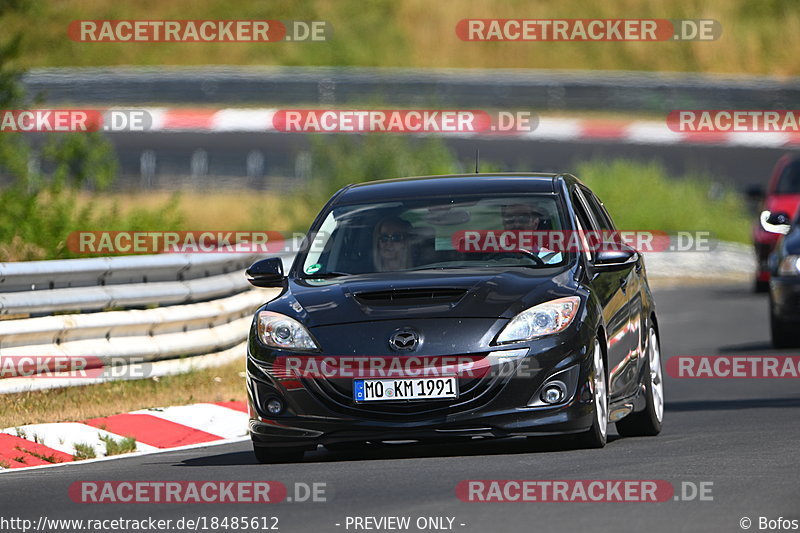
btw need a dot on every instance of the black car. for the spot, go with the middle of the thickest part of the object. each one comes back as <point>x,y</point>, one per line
<point>784,288</point>
<point>557,341</point>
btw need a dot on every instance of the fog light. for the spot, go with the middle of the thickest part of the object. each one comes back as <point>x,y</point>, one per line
<point>557,389</point>
<point>554,393</point>
<point>274,406</point>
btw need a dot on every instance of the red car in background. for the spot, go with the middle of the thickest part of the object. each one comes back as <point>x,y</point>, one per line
<point>780,203</point>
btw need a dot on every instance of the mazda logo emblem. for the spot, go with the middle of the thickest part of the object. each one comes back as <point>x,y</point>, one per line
<point>404,340</point>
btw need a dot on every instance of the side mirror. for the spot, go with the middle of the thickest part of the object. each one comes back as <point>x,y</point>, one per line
<point>266,273</point>
<point>778,222</point>
<point>615,256</point>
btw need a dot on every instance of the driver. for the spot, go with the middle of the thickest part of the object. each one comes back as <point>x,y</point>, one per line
<point>392,250</point>
<point>521,217</point>
<point>524,217</point>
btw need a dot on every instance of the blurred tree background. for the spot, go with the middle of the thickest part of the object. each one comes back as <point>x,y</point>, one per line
<point>758,36</point>
<point>39,198</point>
<point>54,184</point>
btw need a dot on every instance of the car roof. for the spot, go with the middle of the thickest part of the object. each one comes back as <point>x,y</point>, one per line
<point>449,185</point>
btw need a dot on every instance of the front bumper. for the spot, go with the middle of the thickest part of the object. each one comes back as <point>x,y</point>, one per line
<point>308,433</point>
<point>312,417</point>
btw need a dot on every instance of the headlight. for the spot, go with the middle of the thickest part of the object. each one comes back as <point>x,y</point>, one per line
<point>540,320</point>
<point>280,331</point>
<point>790,266</point>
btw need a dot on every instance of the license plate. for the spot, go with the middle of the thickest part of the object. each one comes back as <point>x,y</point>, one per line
<point>370,390</point>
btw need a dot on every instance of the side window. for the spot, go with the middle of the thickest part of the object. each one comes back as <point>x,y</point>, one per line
<point>321,248</point>
<point>599,211</point>
<point>584,221</point>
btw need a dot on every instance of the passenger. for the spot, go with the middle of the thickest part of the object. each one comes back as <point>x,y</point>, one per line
<point>392,250</point>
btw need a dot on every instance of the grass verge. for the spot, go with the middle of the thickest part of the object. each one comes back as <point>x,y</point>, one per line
<point>72,404</point>
<point>643,197</point>
<point>640,196</point>
<point>83,451</point>
<point>118,447</point>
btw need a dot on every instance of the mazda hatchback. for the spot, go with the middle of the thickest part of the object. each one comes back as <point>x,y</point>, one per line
<point>466,306</point>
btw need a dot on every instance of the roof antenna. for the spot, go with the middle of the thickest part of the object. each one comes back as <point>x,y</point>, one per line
<point>477,158</point>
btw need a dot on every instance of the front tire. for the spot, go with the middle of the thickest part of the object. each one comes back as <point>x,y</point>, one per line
<point>647,423</point>
<point>597,435</point>
<point>274,455</point>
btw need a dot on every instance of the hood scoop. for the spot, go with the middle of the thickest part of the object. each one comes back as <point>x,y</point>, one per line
<point>413,296</point>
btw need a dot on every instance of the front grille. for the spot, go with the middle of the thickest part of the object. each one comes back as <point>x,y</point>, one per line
<point>337,395</point>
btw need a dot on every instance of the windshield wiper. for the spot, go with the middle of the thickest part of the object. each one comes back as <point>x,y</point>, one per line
<point>453,267</point>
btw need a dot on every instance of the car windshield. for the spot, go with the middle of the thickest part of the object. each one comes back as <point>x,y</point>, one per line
<point>431,233</point>
<point>789,182</point>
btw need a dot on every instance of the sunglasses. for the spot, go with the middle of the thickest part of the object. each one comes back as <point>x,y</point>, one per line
<point>392,237</point>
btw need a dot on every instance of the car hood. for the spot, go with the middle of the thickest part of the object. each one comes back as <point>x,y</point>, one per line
<point>478,293</point>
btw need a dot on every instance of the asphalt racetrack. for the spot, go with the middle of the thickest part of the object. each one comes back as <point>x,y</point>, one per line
<point>737,437</point>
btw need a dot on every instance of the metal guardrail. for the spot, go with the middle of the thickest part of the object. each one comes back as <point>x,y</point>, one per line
<point>148,334</point>
<point>47,275</point>
<point>94,284</point>
<point>127,295</point>
<point>516,88</point>
<point>214,315</point>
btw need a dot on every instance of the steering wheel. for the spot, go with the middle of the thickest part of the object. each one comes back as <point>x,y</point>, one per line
<point>525,253</point>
